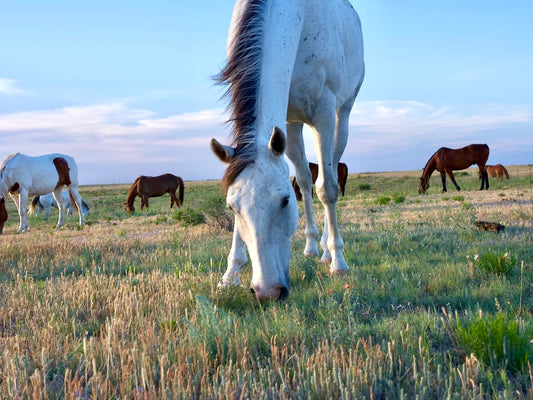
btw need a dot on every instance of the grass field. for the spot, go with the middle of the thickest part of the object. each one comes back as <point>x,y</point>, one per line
<point>128,306</point>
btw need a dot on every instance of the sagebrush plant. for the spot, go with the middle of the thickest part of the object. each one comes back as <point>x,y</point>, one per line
<point>129,306</point>
<point>501,263</point>
<point>189,216</point>
<point>216,212</point>
<point>499,341</point>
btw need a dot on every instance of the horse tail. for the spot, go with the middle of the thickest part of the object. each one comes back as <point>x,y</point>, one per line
<point>343,177</point>
<point>72,201</point>
<point>34,205</point>
<point>181,190</point>
<point>505,173</point>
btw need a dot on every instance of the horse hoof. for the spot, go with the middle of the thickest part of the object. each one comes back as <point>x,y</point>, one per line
<point>225,284</point>
<point>340,272</point>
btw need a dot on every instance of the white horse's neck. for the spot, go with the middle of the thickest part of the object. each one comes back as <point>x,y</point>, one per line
<point>280,47</point>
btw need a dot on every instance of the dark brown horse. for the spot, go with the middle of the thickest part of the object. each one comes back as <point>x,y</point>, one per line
<point>342,172</point>
<point>497,170</point>
<point>155,186</point>
<point>447,160</point>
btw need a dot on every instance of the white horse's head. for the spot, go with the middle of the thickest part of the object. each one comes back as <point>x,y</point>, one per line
<point>266,215</point>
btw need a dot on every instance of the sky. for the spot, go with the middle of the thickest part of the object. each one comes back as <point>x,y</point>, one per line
<point>126,88</point>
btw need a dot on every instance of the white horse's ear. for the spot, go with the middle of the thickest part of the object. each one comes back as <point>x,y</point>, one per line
<point>224,153</point>
<point>277,142</point>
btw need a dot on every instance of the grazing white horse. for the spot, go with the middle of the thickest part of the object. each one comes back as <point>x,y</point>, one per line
<point>22,176</point>
<point>290,62</point>
<point>47,201</point>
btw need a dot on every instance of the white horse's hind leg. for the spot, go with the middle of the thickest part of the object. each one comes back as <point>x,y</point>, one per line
<point>58,196</point>
<point>329,149</point>
<point>326,255</point>
<point>236,260</point>
<point>77,198</point>
<point>296,153</point>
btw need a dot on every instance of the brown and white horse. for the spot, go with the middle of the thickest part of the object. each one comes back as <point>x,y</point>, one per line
<point>22,176</point>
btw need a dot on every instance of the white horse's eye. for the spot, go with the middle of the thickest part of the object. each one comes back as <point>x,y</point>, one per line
<point>232,208</point>
<point>284,202</point>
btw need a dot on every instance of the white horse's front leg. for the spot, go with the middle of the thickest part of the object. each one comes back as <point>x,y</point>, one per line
<point>20,200</point>
<point>236,260</point>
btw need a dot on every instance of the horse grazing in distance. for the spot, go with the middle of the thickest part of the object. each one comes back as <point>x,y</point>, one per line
<point>447,160</point>
<point>46,202</point>
<point>289,62</point>
<point>22,176</point>
<point>342,177</point>
<point>155,186</point>
<point>497,170</point>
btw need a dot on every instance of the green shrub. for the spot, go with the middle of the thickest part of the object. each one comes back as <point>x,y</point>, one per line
<point>364,186</point>
<point>499,264</point>
<point>499,341</point>
<point>383,200</point>
<point>398,198</point>
<point>188,216</point>
<point>216,211</point>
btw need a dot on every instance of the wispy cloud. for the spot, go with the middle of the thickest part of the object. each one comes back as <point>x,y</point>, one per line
<point>9,87</point>
<point>117,139</point>
<point>412,116</point>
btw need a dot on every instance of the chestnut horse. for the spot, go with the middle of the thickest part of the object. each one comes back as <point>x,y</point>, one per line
<point>155,186</point>
<point>497,170</point>
<point>342,177</point>
<point>447,160</point>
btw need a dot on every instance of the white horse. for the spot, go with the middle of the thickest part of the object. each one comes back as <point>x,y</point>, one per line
<point>47,201</point>
<point>22,176</point>
<point>290,62</point>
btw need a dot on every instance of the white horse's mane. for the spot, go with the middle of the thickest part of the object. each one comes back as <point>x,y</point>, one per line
<point>242,75</point>
<point>6,161</point>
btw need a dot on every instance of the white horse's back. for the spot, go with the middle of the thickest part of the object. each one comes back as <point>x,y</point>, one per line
<point>329,59</point>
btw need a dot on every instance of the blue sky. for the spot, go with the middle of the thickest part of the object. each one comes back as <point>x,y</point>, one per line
<point>125,86</point>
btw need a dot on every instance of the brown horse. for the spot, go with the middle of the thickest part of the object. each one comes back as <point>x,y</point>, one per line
<point>447,160</point>
<point>155,186</point>
<point>342,172</point>
<point>497,170</point>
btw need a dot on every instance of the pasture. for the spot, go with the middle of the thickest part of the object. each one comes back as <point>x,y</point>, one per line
<point>128,306</point>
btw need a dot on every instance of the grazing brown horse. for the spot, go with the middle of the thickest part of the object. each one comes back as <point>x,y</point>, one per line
<point>447,160</point>
<point>155,186</point>
<point>497,170</point>
<point>342,172</point>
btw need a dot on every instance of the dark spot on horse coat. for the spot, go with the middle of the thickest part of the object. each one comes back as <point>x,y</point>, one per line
<point>62,171</point>
<point>3,214</point>
<point>13,189</point>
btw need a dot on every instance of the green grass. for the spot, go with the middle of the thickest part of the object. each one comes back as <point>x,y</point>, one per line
<point>128,306</point>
